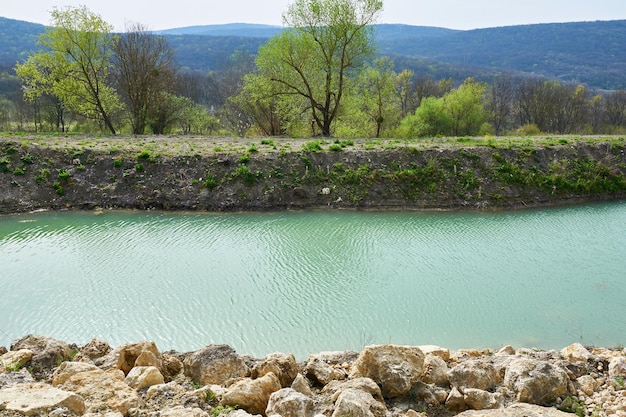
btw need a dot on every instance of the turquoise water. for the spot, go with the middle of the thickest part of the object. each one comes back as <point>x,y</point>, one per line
<point>305,282</point>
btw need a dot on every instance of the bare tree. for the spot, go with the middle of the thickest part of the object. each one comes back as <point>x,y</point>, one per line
<point>144,70</point>
<point>500,102</point>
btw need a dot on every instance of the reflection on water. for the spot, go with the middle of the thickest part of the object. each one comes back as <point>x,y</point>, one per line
<point>304,282</point>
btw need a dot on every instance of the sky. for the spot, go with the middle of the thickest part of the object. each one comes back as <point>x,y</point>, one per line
<point>452,14</point>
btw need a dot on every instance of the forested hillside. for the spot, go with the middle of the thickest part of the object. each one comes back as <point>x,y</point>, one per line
<point>591,53</point>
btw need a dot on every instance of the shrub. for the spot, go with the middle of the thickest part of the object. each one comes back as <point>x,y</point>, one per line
<point>313,146</point>
<point>529,129</point>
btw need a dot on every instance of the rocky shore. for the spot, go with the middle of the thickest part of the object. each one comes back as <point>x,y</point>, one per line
<point>42,376</point>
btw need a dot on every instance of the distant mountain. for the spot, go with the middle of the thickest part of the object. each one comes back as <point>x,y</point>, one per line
<point>588,52</point>
<point>592,53</point>
<point>231,29</point>
<point>17,39</point>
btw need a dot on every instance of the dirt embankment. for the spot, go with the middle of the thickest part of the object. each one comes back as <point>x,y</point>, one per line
<point>277,174</point>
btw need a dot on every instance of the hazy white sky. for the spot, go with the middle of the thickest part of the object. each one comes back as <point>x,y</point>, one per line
<point>453,14</point>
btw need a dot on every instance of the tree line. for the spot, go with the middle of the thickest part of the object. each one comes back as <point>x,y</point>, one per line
<point>319,77</point>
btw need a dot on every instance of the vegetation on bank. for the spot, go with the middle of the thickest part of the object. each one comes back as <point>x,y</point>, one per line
<point>278,173</point>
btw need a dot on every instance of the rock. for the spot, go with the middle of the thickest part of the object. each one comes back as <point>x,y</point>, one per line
<point>576,353</point>
<point>477,399</point>
<point>536,382</point>
<point>103,390</point>
<point>33,399</point>
<point>137,354</point>
<point>413,413</point>
<point>473,373</point>
<point>171,366</point>
<point>394,368</point>
<point>617,367</point>
<point>15,360</point>
<point>301,384</point>
<point>587,384</point>
<point>13,378</point>
<point>456,401</point>
<point>47,352</point>
<point>171,389</point>
<point>143,377</point>
<point>357,403</point>
<point>435,370</point>
<point>241,413</point>
<point>251,394</point>
<point>283,366</point>
<point>435,350</point>
<point>180,411</point>
<point>3,350</point>
<point>506,350</point>
<point>517,410</point>
<point>322,372</point>
<point>288,402</point>
<point>362,384</point>
<point>93,350</point>
<point>67,369</point>
<point>215,364</point>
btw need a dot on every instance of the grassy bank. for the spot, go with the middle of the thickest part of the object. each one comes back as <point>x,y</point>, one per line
<point>192,173</point>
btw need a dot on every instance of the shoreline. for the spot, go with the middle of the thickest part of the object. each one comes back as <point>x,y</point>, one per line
<point>137,379</point>
<point>231,175</point>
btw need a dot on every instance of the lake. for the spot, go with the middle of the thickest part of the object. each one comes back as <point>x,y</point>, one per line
<point>311,281</point>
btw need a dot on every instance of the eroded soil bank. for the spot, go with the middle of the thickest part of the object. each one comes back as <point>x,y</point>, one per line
<point>221,174</point>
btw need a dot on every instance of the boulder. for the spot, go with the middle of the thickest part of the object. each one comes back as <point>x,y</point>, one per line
<point>335,388</point>
<point>282,365</point>
<point>617,367</point>
<point>3,350</point>
<point>478,399</point>
<point>171,366</point>
<point>507,350</point>
<point>517,410</point>
<point>143,377</point>
<point>103,390</point>
<point>215,364</point>
<point>13,378</point>
<point>435,350</point>
<point>47,352</point>
<point>536,382</point>
<point>456,401</point>
<point>251,394</point>
<point>576,353</point>
<point>435,370</point>
<point>137,354</point>
<point>395,368</point>
<point>357,403</point>
<point>67,369</point>
<point>34,399</point>
<point>301,384</point>
<point>587,384</point>
<point>14,360</point>
<point>93,350</point>
<point>322,372</point>
<point>473,373</point>
<point>288,402</point>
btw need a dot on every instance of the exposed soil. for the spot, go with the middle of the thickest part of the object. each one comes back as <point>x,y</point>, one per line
<point>225,174</point>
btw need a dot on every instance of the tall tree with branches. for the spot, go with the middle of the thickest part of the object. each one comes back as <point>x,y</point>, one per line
<point>144,69</point>
<point>314,57</point>
<point>75,64</point>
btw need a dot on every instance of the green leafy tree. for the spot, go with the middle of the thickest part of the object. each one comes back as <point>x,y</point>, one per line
<point>313,59</point>
<point>377,92</point>
<point>75,65</point>
<point>459,112</point>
